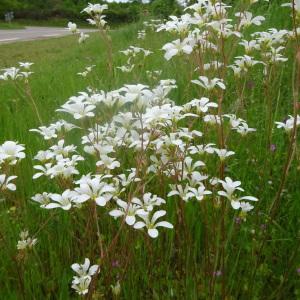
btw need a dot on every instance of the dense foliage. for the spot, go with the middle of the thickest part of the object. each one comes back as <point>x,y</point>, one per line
<point>117,12</point>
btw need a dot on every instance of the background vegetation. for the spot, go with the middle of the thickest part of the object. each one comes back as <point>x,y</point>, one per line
<point>70,9</point>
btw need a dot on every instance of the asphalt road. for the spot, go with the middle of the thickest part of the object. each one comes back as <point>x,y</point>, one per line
<point>33,33</point>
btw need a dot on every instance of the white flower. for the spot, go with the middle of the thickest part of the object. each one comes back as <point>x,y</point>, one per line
<point>126,68</point>
<point>25,65</point>
<point>125,181</point>
<point>78,110</point>
<point>11,73</point>
<point>202,149</point>
<point>72,27</point>
<point>5,183</point>
<point>246,206</point>
<point>126,209</point>
<point>81,285</point>
<point>43,199</point>
<point>47,132</point>
<point>177,47</point>
<point>96,190</point>
<point>108,162</point>
<point>83,37</point>
<point>148,203</point>
<point>26,241</point>
<point>230,187</point>
<point>61,149</point>
<point>84,275</point>
<point>183,193</point>
<point>244,129</point>
<point>209,84</point>
<point>199,193</point>
<point>12,152</point>
<point>151,224</point>
<point>63,201</point>
<point>212,119</point>
<point>223,153</point>
<point>202,105</point>
<point>85,269</point>
<point>92,9</point>
<point>246,19</point>
<point>44,170</point>
<point>288,125</point>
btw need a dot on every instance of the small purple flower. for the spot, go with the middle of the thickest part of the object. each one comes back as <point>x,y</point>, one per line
<point>237,220</point>
<point>273,148</point>
<point>250,84</point>
<point>298,271</point>
<point>115,264</point>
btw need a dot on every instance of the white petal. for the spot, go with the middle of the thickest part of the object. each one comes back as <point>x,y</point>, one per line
<point>164,224</point>
<point>130,220</point>
<point>139,225</point>
<point>153,233</point>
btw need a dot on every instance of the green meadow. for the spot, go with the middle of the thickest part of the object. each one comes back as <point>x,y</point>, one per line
<point>262,253</point>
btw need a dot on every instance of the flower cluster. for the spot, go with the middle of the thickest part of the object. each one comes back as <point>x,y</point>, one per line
<point>17,73</point>
<point>134,56</point>
<point>26,241</point>
<point>11,153</point>
<point>95,11</point>
<point>83,277</point>
<point>72,27</point>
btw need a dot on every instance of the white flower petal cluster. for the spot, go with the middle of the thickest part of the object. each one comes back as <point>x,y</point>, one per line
<point>83,277</point>
<point>57,161</point>
<point>11,153</point>
<point>17,73</point>
<point>25,241</point>
<point>289,123</point>
<point>209,84</point>
<point>135,55</point>
<point>72,27</point>
<point>151,224</point>
<point>178,47</point>
<point>54,130</point>
<point>95,11</point>
<point>230,187</point>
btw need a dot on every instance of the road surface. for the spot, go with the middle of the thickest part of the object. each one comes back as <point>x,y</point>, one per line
<point>33,33</point>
